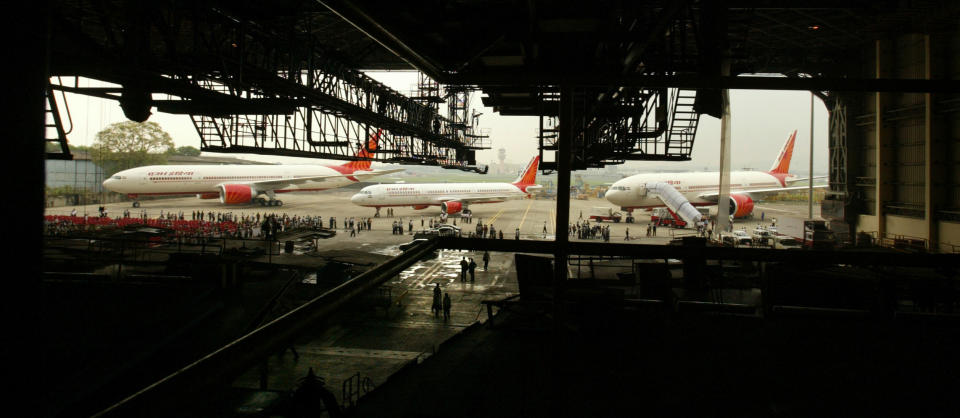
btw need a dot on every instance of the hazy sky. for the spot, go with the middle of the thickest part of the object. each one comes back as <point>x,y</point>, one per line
<point>762,121</point>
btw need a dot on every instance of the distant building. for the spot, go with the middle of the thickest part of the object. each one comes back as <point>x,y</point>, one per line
<point>80,173</point>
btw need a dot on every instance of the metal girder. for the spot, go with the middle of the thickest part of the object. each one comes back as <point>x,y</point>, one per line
<point>701,82</point>
<point>859,257</point>
<point>376,31</point>
<point>232,72</point>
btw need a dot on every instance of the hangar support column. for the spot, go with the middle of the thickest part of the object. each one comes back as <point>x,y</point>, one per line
<point>882,141</point>
<point>931,159</point>
<point>563,190</point>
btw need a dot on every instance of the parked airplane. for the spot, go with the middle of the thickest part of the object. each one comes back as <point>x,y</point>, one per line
<point>451,197</point>
<point>237,184</point>
<point>645,191</point>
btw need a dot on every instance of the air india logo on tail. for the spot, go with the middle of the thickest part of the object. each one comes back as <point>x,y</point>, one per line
<point>781,167</point>
<point>782,164</point>
<point>363,153</point>
<point>529,176</point>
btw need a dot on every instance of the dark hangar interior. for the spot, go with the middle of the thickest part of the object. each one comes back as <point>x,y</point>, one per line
<point>611,82</point>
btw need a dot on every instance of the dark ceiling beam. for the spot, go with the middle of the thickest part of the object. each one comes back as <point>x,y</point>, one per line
<point>373,29</point>
<point>698,82</point>
<point>828,24</point>
<point>657,30</point>
<point>220,105</point>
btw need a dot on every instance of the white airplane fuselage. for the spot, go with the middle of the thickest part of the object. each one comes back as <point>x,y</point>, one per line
<point>433,194</point>
<point>204,179</point>
<point>629,193</point>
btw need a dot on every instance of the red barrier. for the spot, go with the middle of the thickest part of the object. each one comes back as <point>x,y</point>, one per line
<point>184,226</point>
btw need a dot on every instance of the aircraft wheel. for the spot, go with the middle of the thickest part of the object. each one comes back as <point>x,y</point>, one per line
<point>279,202</point>
<point>263,202</point>
<point>136,204</point>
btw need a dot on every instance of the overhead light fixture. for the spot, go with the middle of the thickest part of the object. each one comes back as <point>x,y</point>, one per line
<point>814,27</point>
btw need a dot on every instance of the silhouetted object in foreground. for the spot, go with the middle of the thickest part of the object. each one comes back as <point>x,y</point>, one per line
<point>312,397</point>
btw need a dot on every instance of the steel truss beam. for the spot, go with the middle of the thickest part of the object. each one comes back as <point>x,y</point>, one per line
<point>253,90</point>
<point>551,80</point>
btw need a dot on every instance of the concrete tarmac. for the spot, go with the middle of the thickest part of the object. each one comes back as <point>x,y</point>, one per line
<point>534,218</point>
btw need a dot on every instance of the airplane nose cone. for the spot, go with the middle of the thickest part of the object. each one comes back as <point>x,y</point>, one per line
<point>614,196</point>
<point>356,198</point>
<point>110,184</point>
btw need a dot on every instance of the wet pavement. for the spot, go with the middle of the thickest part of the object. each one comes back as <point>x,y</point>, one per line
<point>375,342</point>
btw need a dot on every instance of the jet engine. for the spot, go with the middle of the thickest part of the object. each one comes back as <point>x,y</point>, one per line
<point>211,195</point>
<point>740,205</point>
<point>235,193</point>
<point>451,207</point>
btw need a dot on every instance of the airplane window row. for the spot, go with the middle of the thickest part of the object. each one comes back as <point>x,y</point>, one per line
<point>241,177</point>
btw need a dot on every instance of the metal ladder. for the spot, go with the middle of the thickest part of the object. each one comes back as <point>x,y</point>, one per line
<point>683,123</point>
<point>52,120</point>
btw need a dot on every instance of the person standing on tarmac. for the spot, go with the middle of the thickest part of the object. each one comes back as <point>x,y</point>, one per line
<point>463,269</point>
<point>436,301</point>
<point>472,266</point>
<point>446,306</point>
<point>486,260</point>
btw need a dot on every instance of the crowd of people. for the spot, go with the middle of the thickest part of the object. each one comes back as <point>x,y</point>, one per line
<point>487,231</point>
<point>582,229</point>
<point>265,225</point>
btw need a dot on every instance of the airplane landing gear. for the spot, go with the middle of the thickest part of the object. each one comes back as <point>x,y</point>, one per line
<point>136,204</point>
<point>266,202</point>
<point>377,215</point>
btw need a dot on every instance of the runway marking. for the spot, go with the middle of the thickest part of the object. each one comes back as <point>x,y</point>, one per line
<point>424,277</point>
<point>553,221</point>
<point>495,217</point>
<point>525,214</point>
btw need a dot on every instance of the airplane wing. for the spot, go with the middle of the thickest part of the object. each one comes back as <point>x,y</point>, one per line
<point>805,179</point>
<point>469,200</point>
<point>279,184</point>
<point>757,193</point>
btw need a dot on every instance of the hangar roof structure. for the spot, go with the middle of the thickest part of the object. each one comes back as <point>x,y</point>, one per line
<point>217,60</point>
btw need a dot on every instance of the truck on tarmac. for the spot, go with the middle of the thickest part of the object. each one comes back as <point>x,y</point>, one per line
<point>663,217</point>
<point>817,235</point>
<point>601,214</point>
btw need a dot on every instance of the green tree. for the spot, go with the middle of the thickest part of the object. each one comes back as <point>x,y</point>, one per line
<point>187,151</point>
<point>129,144</point>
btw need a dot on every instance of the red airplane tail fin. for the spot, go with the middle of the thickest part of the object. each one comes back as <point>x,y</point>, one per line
<point>363,153</point>
<point>782,163</point>
<point>529,176</point>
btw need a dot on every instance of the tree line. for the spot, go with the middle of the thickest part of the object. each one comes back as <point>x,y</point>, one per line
<point>129,144</point>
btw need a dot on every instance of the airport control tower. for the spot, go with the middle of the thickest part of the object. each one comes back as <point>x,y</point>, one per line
<point>501,155</point>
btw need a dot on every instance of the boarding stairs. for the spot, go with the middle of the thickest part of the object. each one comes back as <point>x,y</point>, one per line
<point>683,123</point>
<point>675,201</point>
